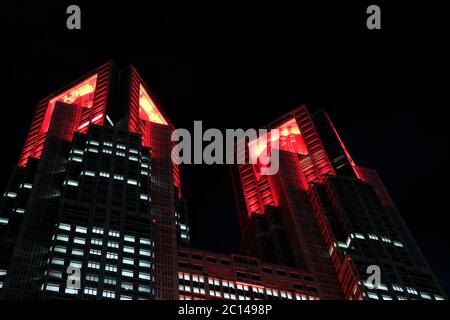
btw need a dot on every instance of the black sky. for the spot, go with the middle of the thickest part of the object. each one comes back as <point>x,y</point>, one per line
<point>234,65</point>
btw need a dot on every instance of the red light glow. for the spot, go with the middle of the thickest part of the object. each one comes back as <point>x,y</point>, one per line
<point>147,108</point>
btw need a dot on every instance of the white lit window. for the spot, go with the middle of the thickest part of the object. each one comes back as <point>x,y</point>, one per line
<point>62,237</point>
<point>113,233</point>
<point>72,183</point>
<point>109,280</point>
<point>373,237</point>
<point>52,287</point>
<point>133,158</point>
<point>132,182</point>
<point>144,172</point>
<point>425,296</point>
<point>145,276</point>
<point>438,297</point>
<point>108,294</point>
<point>95,252</point>
<point>108,151</point>
<point>386,297</point>
<point>145,289</point>
<point>4,221</point>
<point>76,159</point>
<point>79,240</point>
<point>120,153</point>
<point>127,273</point>
<point>386,239</point>
<point>129,238</point>
<point>401,298</point>
<point>412,290</point>
<point>93,143</point>
<point>397,288</point>
<point>143,196</point>
<point>91,149</point>
<point>128,249</point>
<point>93,265</point>
<point>144,252</point>
<point>55,274</point>
<point>92,278</point>
<point>118,177</point>
<point>359,236</point>
<point>77,252</point>
<point>144,165</point>
<point>121,146</point>
<point>88,173</point>
<point>113,244</point>
<point>81,229</point>
<point>145,264</point>
<point>398,244</point>
<point>10,194</point>
<point>104,174</point>
<point>128,261</point>
<point>112,255</point>
<point>135,151</point>
<point>96,241</point>
<point>26,185</point>
<point>97,230</point>
<point>127,286</point>
<point>122,297</point>
<point>111,267</point>
<point>20,210</point>
<point>60,249</point>
<point>90,291</point>
<point>107,143</point>
<point>64,226</point>
<point>373,296</point>
<point>77,151</point>
<point>58,262</point>
<point>76,264</point>
<point>145,241</point>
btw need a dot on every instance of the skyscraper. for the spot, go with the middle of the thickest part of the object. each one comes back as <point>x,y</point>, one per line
<point>327,216</point>
<point>95,190</point>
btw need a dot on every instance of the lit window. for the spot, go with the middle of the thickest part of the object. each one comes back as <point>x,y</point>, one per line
<point>121,146</point>
<point>109,280</point>
<point>145,264</point>
<point>144,252</point>
<point>76,159</point>
<point>397,288</point>
<point>58,262</point>
<point>386,297</point>
<point>96,241</point>
<point>26,185</point>
<point>64,226</point>
<point>127,286</point>
<point>72,183</point>
<point>62,237</point>
<point>145,289</point>
<point>108,151</point>
<point>129,238</point>
<point>55,274</point>
<point>81,229</point>
<point>401,298</point>
<point>398,244</point>
<point>77,252</point>
<point>97,230</point>
<point>11,194</point>
<point>77,151</point>
<point>110,267</point>
<point>438,297</point>
<point>135,151</point>
<point>91,149</point>
<point>104,174</point>
<point>122,297</point>
<point>113,244</point>
<point>92,278</point>
<point>144,165</point>
<point>113,233</point>
<point>112,255</point>
<point>143,196</point>
<point>127,273</point>
<point>108,294</point>
<point>93,143</point>
<point>132,182</point>
<point>373,296</point>
<point>52,287</point>
<point>76,264</point>
<point>144,172</point>
<point>4,221</point>
<point>95,252</point>
<point>425,296</point>
<point>133,158</point>
<point>144,276</point>
<point>93,265</point>
<point>60,249</point>
<point>107,143</point>
<point>128,249</point>
<point>359,236</point>
<point>412,291</point>
<point>128,261</point>
<point>90,291</point>
<point>120,153</point>
<point>79,240</point>
<point>118,177</point>
<point>145,241</point>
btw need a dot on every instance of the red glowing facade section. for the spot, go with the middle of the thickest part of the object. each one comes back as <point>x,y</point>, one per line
<point>90,93</point>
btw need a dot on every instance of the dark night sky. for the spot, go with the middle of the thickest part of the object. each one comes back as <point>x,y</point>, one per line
<point>237,66</point>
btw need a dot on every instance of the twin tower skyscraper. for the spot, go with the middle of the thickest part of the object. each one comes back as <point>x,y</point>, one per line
<point>94,210</point>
